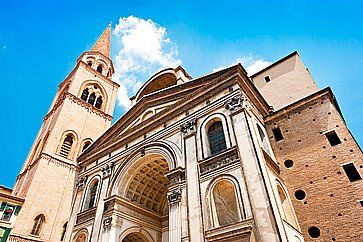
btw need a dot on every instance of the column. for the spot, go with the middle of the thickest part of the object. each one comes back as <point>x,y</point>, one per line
<point>252,167</point>
<point>196,229</point>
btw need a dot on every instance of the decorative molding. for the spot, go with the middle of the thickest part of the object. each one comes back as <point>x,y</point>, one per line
<point>188,128</point>
<point>219,161</point>
<point>80,102</point>
<point>176,176</point>
<point>86,215</point>
<point>235,103</point>
<point>107,170</point>
<point>81,182</point>
<point>174,196</point>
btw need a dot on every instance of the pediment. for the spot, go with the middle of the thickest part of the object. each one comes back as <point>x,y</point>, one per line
<point>176,100</point>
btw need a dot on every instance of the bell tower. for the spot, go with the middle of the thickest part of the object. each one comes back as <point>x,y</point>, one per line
<point>80,112</point>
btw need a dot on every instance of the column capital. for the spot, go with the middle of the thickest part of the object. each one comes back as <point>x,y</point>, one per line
<point>236,103</point>
<point>174,196</point>
<point>189,128</point>
<point>81,182</point>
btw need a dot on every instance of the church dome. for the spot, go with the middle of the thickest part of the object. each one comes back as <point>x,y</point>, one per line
<point>161,80</point>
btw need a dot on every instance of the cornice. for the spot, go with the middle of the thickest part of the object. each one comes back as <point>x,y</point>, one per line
<point>80,102</point>
<point>306,100</point>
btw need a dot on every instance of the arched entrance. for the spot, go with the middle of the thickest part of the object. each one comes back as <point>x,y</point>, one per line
<point>144,188</point>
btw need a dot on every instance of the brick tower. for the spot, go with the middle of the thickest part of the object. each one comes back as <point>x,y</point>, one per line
<point>81,111</point>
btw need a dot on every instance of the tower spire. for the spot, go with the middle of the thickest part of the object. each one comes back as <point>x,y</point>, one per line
<point>102,45</point>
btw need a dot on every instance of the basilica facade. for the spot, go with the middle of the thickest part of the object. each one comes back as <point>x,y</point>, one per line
<point>221,157</point>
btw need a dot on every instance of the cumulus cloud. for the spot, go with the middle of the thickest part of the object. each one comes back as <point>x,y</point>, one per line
<point>251,64</point>
<point>143,48</point>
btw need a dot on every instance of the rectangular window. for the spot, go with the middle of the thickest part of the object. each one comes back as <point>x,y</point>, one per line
<point>8,211</point>
<point>351,172</point>
<point>267,79</point>
<point>277,134</point>
<point>333,138</point>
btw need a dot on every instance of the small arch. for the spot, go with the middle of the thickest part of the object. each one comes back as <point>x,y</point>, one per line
<point>91,194</point>
<point>98,102</point>
<point>224,202</point>
<point>66,146</point>
<point>205,138</point>
<point>99,68</point>
<point>96,87</point>
<point>263,139</point>
<point>89,63</point>
<point>286,206</point>
<point>85,145</point>
<point>81,236</point>
<point>92,98</point>
<point>85,94</point>
<point>38,225</point>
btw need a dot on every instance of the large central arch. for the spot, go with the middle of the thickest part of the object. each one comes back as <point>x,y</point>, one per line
<point>142,188</point>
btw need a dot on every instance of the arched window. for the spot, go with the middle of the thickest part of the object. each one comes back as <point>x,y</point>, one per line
<point>84,95</point>
<point>263,139</point>
<point>92,98</point>
<point>64,231</point>
<point>217,141</point>
<point>66,146</point>
<point>89,63</point>
<point>85,145</point>
<point>91,195</point>
<point>288,212</point>
<point>38,225</point>
<point>225,203</point>
<point>98,102</point>
<point>99,69</point>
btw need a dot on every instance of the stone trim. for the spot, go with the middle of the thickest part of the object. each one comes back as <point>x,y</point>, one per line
<point>174,196</point>
<point>241,231</point>
<point>81,183</point>
<point>86,215</point>
<point>189,128</point>
<point>80,102</point>
<point>219,161</point>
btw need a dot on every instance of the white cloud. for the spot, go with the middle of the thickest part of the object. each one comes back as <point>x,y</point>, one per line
<point>143,48</point>
<point>251,64</point>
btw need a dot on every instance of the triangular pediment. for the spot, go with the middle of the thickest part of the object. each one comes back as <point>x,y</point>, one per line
<point>176,100</point>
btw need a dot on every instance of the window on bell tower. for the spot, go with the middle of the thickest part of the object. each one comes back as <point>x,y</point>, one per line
<point>66,146</point>
<point>99,69</point>
<point>98,102</point>
<point>92,98</point>
<point>85,94</point>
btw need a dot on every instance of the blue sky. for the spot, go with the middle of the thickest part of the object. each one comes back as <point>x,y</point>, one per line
<point>40,41</point>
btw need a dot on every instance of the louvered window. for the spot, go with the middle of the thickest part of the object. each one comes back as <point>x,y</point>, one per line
<point>38,224</point>
<point>84,95</point>
<point>98,102</point>
<point>217,142</point>
<point>92,98</point>
<point>66,146</point>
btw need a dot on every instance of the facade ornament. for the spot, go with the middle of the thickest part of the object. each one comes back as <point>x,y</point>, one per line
<point>174,196</point>
<point>107,170</point>
<point>189,127</point>
<point>176,176</point>
<point>81,183</point>
<point>107,222</point>
<point>235,103</point>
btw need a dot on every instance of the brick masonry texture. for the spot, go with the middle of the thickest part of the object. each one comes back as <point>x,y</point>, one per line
<point>331,202</point>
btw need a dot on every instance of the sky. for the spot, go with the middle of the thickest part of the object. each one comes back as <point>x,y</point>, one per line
<point>41,40</point>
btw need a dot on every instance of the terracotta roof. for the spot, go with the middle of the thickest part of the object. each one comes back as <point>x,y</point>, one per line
<point>102,45</point>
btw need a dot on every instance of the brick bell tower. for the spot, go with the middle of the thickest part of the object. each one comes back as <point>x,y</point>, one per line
<point>81,111</point>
